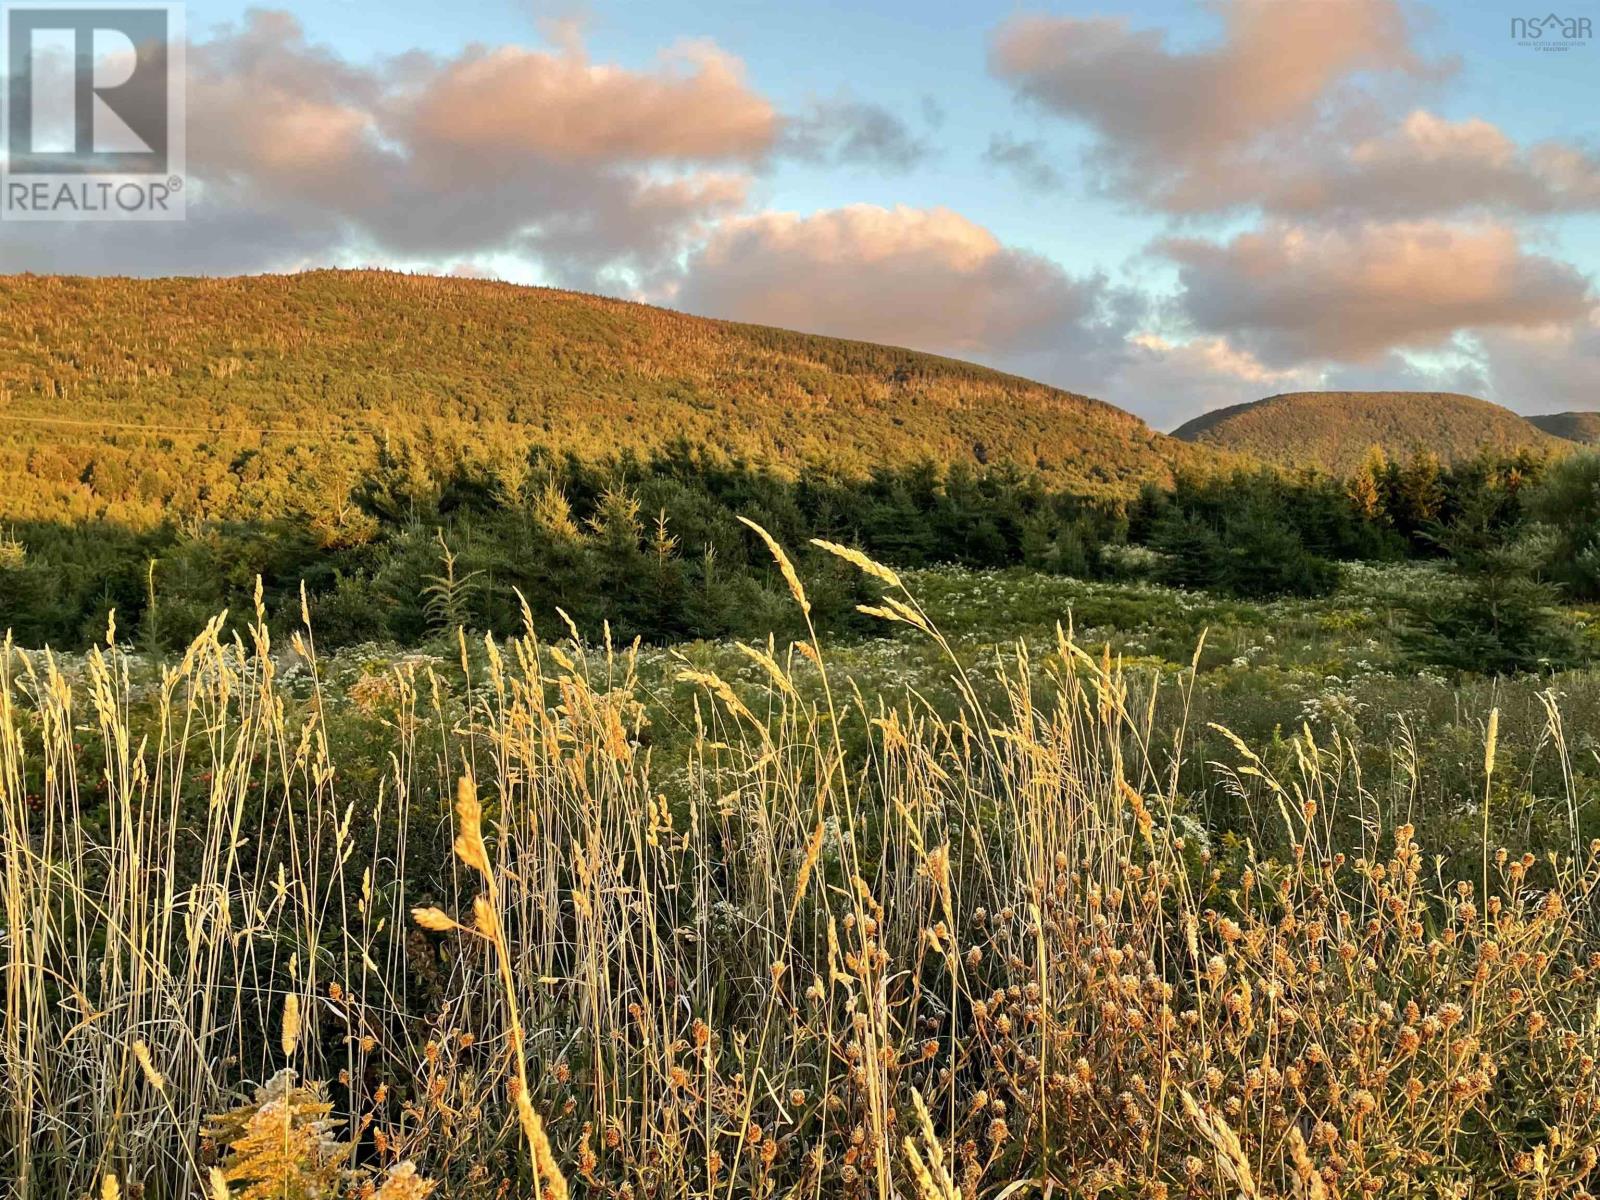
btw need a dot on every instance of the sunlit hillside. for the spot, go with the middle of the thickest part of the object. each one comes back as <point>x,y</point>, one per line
<point>1336,430</point>
<point>146,400</point>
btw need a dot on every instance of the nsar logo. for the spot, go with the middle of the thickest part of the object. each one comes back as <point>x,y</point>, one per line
<point>1551,32</point>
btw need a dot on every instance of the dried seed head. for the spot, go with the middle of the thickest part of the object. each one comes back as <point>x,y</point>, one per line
<point>403,1183</point>
<point>784,565</point>
<point>484,918</point>
<point>141,1051</point>
<point>859,560</point>
<point>433,919</point>
<point>1491,741</point>
<point>469,837</point>
<point>291,1023</point>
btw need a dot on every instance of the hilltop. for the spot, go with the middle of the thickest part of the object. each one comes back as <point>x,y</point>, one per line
<point>142,401</point>
<point>1574,426</point>
<point>1335,430</point>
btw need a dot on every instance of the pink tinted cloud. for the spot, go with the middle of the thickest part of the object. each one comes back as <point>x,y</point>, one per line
<point>1428,165</point>
<point>1175,127</point>
<point>1169,381</point>
<point>1294,294</point>
<point>927,278</point>
<point>1302,109</point>
<point>1549,368</point>
<point>585,168</point>
<point>505,101</point>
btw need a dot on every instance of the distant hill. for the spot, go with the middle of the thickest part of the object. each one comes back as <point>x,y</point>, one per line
<point>1574,426</point>
<point>143,401</point>
<point>1335,430</point>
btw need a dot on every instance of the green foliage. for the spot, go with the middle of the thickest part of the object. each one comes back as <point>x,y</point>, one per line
<point>1257,534</point>
<point>1499,615</point>
<point>1320,512</point>
<point>1414,494</point>
<point>653,547</point>
<point>1249,554</point>
<point>448,596</point>
<point>1567,501</point>
<point>1264,558</point>
<point>1192,550</point>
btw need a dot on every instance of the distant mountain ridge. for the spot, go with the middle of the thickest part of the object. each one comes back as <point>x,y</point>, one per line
<point>154,400</point>
<point>1335,431</point>
<point>1574,426</point>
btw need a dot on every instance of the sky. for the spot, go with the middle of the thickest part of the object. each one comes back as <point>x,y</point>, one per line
<point>1171,206</point>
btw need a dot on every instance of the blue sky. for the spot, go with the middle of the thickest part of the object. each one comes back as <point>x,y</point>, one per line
<point>1171,205</point>
<point>902,54</point>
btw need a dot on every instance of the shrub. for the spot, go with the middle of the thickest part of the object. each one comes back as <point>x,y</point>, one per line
<point>1251,554</point>
<point>1495,613</point>
<point>1567,501</point>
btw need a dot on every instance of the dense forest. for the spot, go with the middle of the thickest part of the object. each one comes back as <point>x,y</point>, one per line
<point>654,547</point>
<point>266,398</point>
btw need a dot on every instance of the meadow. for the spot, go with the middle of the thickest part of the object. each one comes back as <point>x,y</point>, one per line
<point>1036,886</point>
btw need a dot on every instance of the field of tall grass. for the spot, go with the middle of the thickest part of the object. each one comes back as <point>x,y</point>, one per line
<point>969,939</point>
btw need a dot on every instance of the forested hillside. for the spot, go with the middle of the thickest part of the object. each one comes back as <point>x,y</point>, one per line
<point>1335,431</point>
<point>1574,426</point>
<point>144,401</point>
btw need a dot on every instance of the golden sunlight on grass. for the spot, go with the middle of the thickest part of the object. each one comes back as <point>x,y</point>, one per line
<point>845,947</point>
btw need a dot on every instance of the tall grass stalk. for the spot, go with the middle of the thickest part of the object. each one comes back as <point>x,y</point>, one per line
<point>845,946</point>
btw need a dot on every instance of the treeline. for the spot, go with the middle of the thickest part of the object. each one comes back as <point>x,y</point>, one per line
<point>1517,536</point>
<point>1271,534</point>
<point>653,547</point>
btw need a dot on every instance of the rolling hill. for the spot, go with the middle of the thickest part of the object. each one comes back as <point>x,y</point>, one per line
<point>143,401</point>
<point>1574,426</point>
<point>1335,430</point>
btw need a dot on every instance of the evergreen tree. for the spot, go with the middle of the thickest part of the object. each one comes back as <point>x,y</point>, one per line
<point>1496,614</point>
<point>1567,502</point>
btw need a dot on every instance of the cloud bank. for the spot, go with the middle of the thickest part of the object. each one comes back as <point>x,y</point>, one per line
<point>1378,232</point>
